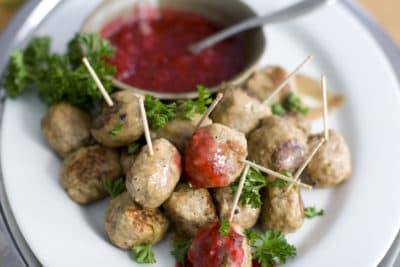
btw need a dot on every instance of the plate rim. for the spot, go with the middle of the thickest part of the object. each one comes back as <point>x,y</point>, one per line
<point>15,35</point>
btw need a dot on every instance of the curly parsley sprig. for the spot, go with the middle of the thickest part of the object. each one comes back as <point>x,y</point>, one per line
<point>291,104</point>
<point>311,212</point>
<point>199,105</point>
<point>224,228</point>
<point>143,253</point>
<point>61,77</point>
<point>158,113</point>
<point>269,248</point>
<point>255,181</point>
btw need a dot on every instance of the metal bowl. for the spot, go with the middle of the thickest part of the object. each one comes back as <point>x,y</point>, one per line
<point>223,12</point>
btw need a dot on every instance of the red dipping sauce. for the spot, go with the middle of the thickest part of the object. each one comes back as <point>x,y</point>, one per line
<point>209,248</point>
<point>151,51</point>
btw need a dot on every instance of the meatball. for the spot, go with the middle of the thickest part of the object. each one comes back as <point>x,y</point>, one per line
<point>238,110</point>
<point>66,128</point>
<point>211,249</point>
<point>152,179</point>
<point>283,209</point>
<point>179,131</point>
<point>245,217</point>
<point>190,208</point>
<point>300,121</point>
<point>263,82</point>
<point>331,165</point>
<point>277,144</point>
<point>214,156</point>
<point>128,224</point>
<point>121,124</point>
<point>83,170</point>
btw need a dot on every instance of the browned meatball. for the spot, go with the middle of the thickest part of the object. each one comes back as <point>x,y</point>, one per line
<point>152,179</point>
<point>238,110</point>
<point>214,156</point>
<point>128,224</point>
<point>264,81</point>
<point>283,209</point>
<point>277,144</point>
<point>83,170</point>
<point>246,216</point>
<point>190,208</point>
<point>66,128</point>
<point>179,131</point>
<point>331,165</point>
<point>121,124</point>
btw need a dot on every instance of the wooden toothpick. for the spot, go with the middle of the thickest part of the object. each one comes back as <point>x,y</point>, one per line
<point>325,107</point>
<point>277,174</point>
<point>305,163</point>
<point>238,192</point>
<point>287,80</point>
<point>145,125</point>
<point>96,79</point>
<point>210,109</point>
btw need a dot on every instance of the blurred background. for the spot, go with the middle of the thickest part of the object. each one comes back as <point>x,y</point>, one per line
<point>386,12</point>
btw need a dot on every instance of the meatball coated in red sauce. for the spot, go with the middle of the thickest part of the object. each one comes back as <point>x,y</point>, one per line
<point>210,249</point>
<point>214,156</point>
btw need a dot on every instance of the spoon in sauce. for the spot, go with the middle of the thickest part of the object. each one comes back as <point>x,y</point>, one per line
<point>291,12</point>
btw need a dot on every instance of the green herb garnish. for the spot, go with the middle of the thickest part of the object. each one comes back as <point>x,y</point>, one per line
<point>180,249</point>
<point>255,181</point>
<point>294,104</point>
<point>291,104</point>
<point>113,187</point>
<point>143,253</point>
<point>269,248</point>
<point>200,105</point>
<point>278,109</point>
<point>282,183</point>
<point>253,184</point>
<point>224,227</point>
<point>117,128</point>
<point>133,148</point>
<point>60,77</point>
<point>312,212</point>
<point>158,113</point>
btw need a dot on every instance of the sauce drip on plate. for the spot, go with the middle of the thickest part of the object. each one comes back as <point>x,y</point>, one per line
<point>309,88</point>
<point>151,51</point>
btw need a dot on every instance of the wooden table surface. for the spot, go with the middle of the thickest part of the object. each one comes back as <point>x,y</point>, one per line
<point>386,12</point>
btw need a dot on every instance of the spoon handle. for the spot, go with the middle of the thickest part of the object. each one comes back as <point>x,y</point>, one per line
<point>288,13</point>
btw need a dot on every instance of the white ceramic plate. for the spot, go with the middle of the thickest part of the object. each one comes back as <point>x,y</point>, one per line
<point>362,215</point>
